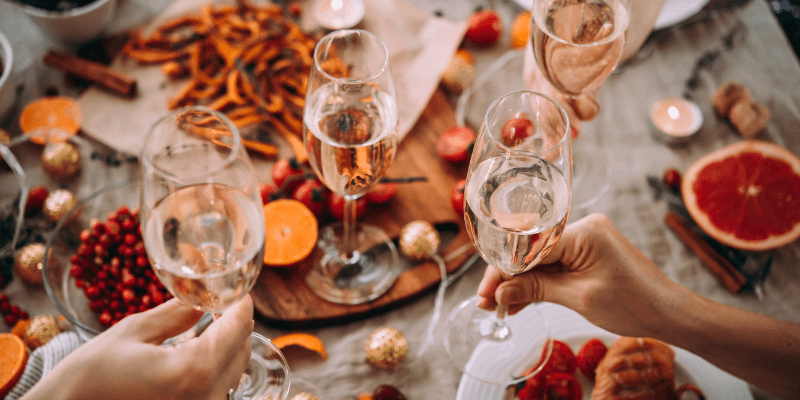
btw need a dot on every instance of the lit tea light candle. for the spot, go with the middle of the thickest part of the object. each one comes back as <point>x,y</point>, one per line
<point>675,119</point>
<point>338,14</point>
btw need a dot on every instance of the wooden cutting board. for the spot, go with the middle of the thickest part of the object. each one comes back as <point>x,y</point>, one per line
<point>280,295</point>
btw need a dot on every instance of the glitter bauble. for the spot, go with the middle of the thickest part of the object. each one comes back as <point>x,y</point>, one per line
<point>60,160</point>
<point>40,330</point>
<point>5,138</point>
<point>419,240</point>
<point>58,203</point>
<point>386,348</point>
<point>28,263</point>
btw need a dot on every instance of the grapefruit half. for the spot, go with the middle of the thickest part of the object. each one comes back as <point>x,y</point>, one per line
<point>746,195</point>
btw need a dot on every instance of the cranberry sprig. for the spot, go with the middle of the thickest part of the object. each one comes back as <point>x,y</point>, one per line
<point>11,312</point>
<point>110,265</point>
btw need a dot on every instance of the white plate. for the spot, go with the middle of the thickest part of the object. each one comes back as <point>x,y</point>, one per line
<point>568,326</point>
<point>672,12</point>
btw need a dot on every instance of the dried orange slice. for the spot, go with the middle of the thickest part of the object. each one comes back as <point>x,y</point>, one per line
<point>746,195</point>
<point>521,30</point>
<point>304,340</point>
<point>50,112</point>
<point>291,232</point>
<point>12,363</point>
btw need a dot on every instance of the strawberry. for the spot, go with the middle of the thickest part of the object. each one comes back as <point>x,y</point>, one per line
<point>533,389</point>
<point>336,206</point>
<point>562,386</point>
<point>268,192</point>
<point>484,28</point>
<point>561,359</point>
<point>381,193</point>
<point>313,194</point>
<point>36,197</point>
<point>515,130</point>
<point>287,174</point>
<point>457,197</point>
<point>589,356</point>
<point>455,144</point>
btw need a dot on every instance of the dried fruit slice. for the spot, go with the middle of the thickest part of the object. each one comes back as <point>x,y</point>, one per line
<point>291,232</point>
<point>305,340</point>
<point>12,363</point>
<point>50,112</point>
<point>746,195</point>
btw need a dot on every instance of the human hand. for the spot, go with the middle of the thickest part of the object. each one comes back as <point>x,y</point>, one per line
<point>596,271</point>
<point>579,109</point>
<point>127,361</point>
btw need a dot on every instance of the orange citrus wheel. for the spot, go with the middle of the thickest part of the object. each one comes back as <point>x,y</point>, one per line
<point>12,363</point>
<point>50,112</point>
<point>291,232</point>
<point>746,195</point>
<point>304,340</point>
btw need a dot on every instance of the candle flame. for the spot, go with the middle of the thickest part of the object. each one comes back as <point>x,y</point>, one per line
<point>673,112</point>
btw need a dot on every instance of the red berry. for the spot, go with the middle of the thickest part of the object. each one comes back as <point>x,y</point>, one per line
<point>267,192</point>
<point>5,308</point>
<point>295,9</point>
<point>336,206</point>
<point>24,315</point>
<point>457,197</point>
<point>128,296</point>
<point>92,292</point>
<point>158,298</point>
<point>382,193</point>
<point>36,197</point>
<point>96,305</point>
<point>484,28</point>
<point>105,318</point>
<point>589,356</point>
<point>129,225</point>
<point>672,178</point>
<point>516,130</point>
<point>3,297</point>
<point>286,174</point>
<point>11,319</point>
<point>313,194</point>
<point>455,144</point>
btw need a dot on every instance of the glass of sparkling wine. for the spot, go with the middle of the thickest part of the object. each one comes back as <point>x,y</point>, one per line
<point>203,226</point>
<point>575,45</point>
<point>350,133</point>
<point>517,201</point>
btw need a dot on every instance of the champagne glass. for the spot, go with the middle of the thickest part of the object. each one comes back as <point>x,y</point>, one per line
<point>517,201</point>
<point>576,44</point>
<point>350,133</point>
<point>203,226</point>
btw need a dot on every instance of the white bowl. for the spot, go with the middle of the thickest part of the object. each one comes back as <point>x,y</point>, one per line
<point>75,26</point>
<point>7,89</point>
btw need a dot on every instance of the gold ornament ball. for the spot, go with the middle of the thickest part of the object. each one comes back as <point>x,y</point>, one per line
<point>58,203</point>
<point>5,138</point>
<point>386,348</point>
<point>60,160</point>
<point>305,396</point>
<point>40,330</point>
<point>419,240</point>
<point>28,263</point>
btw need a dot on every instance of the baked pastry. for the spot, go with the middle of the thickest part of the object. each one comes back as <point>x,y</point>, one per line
<point>727,95</point>
<point>749,117</point>
<point>636,369</point>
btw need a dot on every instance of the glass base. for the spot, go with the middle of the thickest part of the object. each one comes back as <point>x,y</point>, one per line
<point>365,276</point>
<point>591,175</point>
<point>267,376</point>
<point>519,352</point>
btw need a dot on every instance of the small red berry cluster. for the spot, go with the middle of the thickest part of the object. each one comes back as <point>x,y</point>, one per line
<point>111,267</point>
<point>11,312</point>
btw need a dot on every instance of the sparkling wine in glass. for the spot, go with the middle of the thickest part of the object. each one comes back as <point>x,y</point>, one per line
<point>517,201</point>
<point>350,133</point>
<point>203,226</point>
<point>576,44</point>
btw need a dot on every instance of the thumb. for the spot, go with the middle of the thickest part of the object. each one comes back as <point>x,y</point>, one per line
<point>586,106</point>
<point>531,287</point>
<point>161,323</point>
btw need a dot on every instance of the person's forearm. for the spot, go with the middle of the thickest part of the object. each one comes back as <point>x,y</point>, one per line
<point>761,350</point>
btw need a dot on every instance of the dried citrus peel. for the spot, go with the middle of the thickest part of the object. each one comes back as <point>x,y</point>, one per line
<point>42,117</point>
<point>304,340</point>
<point>12,363</point>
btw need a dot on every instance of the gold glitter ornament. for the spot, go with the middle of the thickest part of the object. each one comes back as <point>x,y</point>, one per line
<point>5,138</point>
<point>40,330</point>
<point>58,203</point>
<point>386,348</point>
<point>305,396</point>
<point>28,263</point>
<point>419,240</point>
<point>60,160</point>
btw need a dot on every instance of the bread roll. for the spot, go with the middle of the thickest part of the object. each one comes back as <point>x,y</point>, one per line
<point>636,369</point>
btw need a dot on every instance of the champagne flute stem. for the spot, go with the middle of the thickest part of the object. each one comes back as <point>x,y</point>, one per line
<point>502,311</point>
<point>349,224</point>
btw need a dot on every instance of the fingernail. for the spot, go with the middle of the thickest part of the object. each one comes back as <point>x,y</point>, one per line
<point>512,294</point>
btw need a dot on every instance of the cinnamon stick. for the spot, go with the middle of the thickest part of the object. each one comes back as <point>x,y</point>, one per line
<point>727,274</point>
<point>102,75</point>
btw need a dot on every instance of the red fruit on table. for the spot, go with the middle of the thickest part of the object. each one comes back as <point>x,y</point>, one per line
<point>589,356</point>
<point>672,178</point>
<point>267,191</point>
<point>336,206</point>
<point>381,193</point>
<point>533,389</point>
<point>457,197</point>
<point>515,130</point>
<point>484,28</point>
<point>312,193</point>
<point>287,171</point>
<point>36,197</point>
<point>562,386</point>
<point>561,359</point>
<point>455,144</point>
